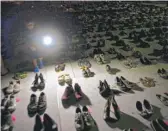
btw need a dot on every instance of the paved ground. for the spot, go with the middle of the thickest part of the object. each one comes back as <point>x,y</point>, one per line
<point>65,115</point>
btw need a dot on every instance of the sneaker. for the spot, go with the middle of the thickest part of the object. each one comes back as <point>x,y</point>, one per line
<point>49,123</point>
<point>42,102</point>
<point>61,79</point>
<point>78,91</point>
<point>108,68</point>
<point>79,123</point>
<point>140,109</point>
<point>6,121</point>
<point>162,124</point>
<point>16,87</point>
<point>87,117</point>
<point>36,82</point>
<point>88,71</point>
<point>4,103</point>
<point>38,124</point>
<point>163,99</point>
<point>148,107</point>
<point>107,110</point>
<point>68,92</point>
<point>11,104</point>
<point>84,72</point>
<point>32,107</point>
<point>9,89</point>
<point>115,107</point>
<point>67,79</point>
<point>42,82</point>
<point>155,126</point>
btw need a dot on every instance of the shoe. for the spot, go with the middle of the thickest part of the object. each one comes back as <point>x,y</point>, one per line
<point>49,123</point>
<point>148,107</point>
<point>32,107</point>
<point>67,79</point>
<point>115,107</point>
<point>163,99</point>
<point>98,59</point>
<point>42,82</point>
<point>6,121</point>
<point>140,109</point>
<point>163,71</point>
<point>125,81</point>
<point>38,124</point>
<point>118,81</point>
<point>155,126</point>
<point>84,72</point>
<point>87,117</point>
<point>36,82</point>
<point>106,115</point>
<point>142,61</point>
<point>101,86</point>
<point>68,92</point>
<point>88,72</point>
<point>61,80</point>
<point>147,61</point>
<point>42,102</point>
<point>78,91</point>
<point>79,123</point>
<point>4,103</point>
<point>9,89</point>
<point>16,87</point>
<point>121,85</point>
<point>159,72</point>
<point>11,104</point>
<point>108,68</point>
<point>162,124</point>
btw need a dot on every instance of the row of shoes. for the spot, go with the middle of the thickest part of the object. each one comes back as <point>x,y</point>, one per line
<point>163,99</point>
<point>38,85</point>
<point>37,107</point>
<point>59,67</point>
<point>159,125</point>
<point>123,83</point>
<point>148,82</point>
<point>12,88</point>
<point>83,119</point>
<point>70,91</point>
<point>47,125</point>
<point>65,78</point>
<point>100,59</point>
<point>163,73</point>
<point>8,103</point>
<point>145,109</point>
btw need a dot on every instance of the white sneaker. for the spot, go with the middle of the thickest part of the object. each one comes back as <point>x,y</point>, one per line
<point>61,79</point>
<point>16,87</point>
<point>67,79</point>
<point>9,89</point>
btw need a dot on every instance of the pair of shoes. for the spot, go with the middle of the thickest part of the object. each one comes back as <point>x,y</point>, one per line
<point>69,91</point>
<point>86,72</point>
<point>59,67</point>
<point>148,82</point>
<point>145,61</point>
<point>101,59</point>
<point>130,64</point>
<point>13,88</point>
<point>137,54</point>
<point>145,109</point>
<point>6,121</point>
<point>83,119</point>
<point>47,125</point>
<point>159,125</point>
<point>120,56</point>
<point>163,99</point>
<point>121,83</point>
<point>8,104</point>
<point>36,84</point>
<point>111,101</point>
<point>34,107</point>
<point>111,51</point>
<point>104,89</point>
<point>163,73</point>
<point>65,78</point>
<point>97,51</point>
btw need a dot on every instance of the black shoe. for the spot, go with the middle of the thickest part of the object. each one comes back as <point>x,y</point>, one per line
<point>42,103</point>
<point>32,107</point>
<point>121,84</point>
<point>163,71</point>
<point>163,99</point>
<point>115,107</point>
<point>6,121</point>
<point>140,109</point>
<point>148,107</point>
<point>78,91</point>
<point>107,88</point>
<point>42,82</point>
<point>118,81</point>
<point>49,123</point>
<point>142,61</point>
<point>79,123</point>
<point>36,82</point>
<point>107,109</point>
<point>4,103</point>
<point>68,92</point>
<point>101,86</point>
<point>155,126</point>
<point>38,124</point>
<point>147,61</point>
<point>125,81</point>
<point>108,68</point>
<point>11,105</point>
<point>159,71</point>
<point>162,124</point>
<point>87,117</point>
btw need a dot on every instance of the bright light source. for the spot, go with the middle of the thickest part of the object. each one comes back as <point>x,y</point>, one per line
<point>47,40</point>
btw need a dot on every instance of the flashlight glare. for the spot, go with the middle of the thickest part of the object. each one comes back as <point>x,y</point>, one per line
<point>47,40</point>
